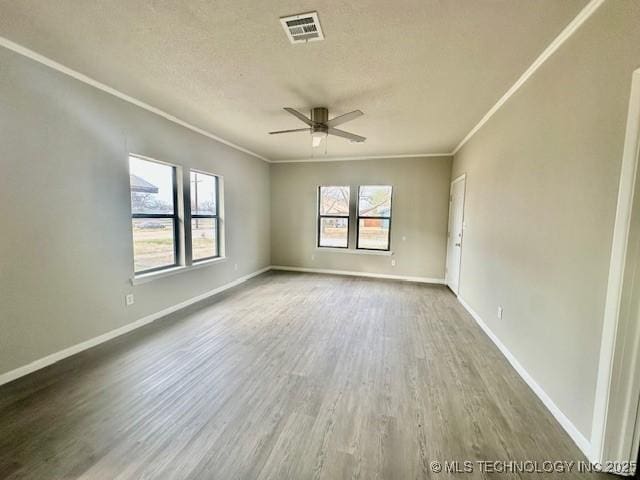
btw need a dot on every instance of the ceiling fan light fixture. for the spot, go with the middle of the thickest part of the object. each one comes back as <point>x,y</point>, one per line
<point>316,138</point>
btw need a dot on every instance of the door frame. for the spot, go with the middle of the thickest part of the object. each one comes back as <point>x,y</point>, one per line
<point>459,178</point>
<point>615,433</point>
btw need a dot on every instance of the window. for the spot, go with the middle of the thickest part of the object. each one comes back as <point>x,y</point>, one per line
<point>205,229</point>
<point>333,217</point>
<point>374,217</point>
<point>161,237</point>
<point>154,214</point>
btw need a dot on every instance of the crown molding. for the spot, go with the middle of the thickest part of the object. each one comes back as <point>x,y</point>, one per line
<point>566,33</point>
<point>364,157</point>
<point>26,52</point>
<point>17,48</point>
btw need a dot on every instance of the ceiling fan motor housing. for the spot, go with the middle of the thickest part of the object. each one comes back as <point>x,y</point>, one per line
<point>319,117</point>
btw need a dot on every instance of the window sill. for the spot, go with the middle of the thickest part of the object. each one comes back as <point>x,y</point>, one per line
<point>148,277</point>
<point>384,253</point>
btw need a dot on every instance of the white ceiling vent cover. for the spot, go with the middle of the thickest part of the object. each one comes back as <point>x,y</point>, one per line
<point>302,28</point>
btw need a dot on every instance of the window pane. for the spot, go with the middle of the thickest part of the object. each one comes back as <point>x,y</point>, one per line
<point>153,243</point>
<point>373,233</point>
<point>374,201</point>
<point>203,194</point>
<point>334,201</point>
<point>334,232</point>
<point>151,186</point>
<point>204,240</point>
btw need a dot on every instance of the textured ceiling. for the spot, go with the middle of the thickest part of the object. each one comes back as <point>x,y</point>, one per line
<point>423,71</point>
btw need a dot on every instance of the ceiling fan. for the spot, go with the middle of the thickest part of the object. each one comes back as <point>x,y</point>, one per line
<point>320,126</point>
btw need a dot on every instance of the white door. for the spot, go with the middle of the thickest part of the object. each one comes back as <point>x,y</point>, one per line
<point>454,237</point>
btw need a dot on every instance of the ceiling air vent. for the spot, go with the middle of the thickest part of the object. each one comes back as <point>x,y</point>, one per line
<point>302,28</point>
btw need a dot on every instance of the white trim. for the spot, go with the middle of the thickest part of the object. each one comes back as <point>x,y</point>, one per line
<point>67,352</point>
<point>605,445</point>
<point>579,439</point>
<point>459,178</point>
<point>8,44</point>
<point>149,277</point>
<point>370,157</point>
<point>405,278</point>
<point>568,31</point>
<point>636,439</point>
<point>385,253</point>
<point>154,160</point>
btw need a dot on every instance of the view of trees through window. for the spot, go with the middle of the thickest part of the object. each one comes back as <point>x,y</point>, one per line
<point>374,217</point>
<point>204,216</point>
<point>153,214</point>
<point>333,221</point>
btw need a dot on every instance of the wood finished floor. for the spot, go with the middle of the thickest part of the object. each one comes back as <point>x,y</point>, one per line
<point>290,376</point>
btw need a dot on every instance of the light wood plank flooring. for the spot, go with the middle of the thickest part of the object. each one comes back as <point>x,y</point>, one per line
<point>289,376</point>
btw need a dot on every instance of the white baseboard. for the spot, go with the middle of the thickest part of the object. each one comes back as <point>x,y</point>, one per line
<point>438,281</point>
<point>574,433</point>
<point>580,440</point>
<point>67,352</point>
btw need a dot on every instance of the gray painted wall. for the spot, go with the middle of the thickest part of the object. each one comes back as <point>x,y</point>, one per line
<point>65,244</point>
<point>419,213</point>
<point>542,181</point>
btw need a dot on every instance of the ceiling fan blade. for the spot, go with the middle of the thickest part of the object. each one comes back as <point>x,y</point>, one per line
<point>349,136</point>
<point>347,117</point>
<point>290,131</point>
<point>300,116</point>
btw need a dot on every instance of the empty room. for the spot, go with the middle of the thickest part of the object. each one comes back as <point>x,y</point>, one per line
<point>319,240</point>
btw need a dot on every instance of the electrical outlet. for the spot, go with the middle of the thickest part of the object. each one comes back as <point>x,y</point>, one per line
<point>393,262</point>
<point>404,238</point>
<point>313,257</point>
<point>235,266</point>
<point>499,312</point>
<point>129,300</point>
